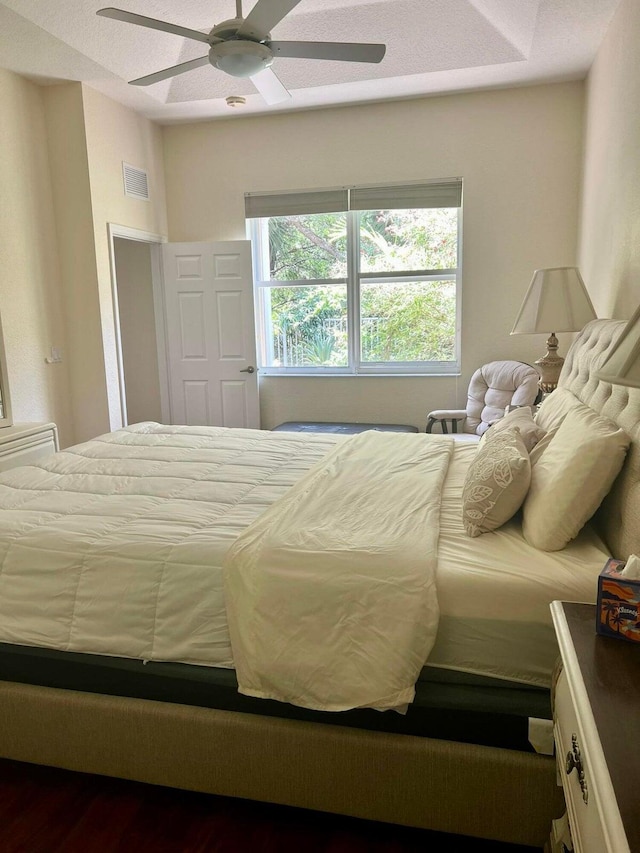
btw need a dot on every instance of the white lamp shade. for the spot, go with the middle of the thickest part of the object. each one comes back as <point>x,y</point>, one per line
<point>622,367</point>
<point>556,301</point>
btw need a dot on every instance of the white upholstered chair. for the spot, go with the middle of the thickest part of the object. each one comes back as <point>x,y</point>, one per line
<point>493,387</point>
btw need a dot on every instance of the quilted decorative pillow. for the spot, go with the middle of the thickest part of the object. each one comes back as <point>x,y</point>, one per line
<point>521,419</point>
<point>497,482</point>
<point>571,478</point>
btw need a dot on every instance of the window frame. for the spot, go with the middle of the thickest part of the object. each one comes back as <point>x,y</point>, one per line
<point>257,231</point>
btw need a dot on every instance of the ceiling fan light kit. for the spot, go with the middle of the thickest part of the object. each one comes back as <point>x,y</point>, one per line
<point>240,58</point>
<point>242,47</point>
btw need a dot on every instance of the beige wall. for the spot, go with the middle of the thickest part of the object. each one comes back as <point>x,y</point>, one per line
<point>61,157</point>
<point>30,281</point>
<point>89,137</point>
<point>610,228</point>
<point>74,227</point>
<point>116,134</point>
<point>519,152</point>
<point>138,330</point>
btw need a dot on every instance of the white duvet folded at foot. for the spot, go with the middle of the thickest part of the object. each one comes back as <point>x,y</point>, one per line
<point>331,598</point>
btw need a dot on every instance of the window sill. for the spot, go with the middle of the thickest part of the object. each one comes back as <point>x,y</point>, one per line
<point>267,373</point>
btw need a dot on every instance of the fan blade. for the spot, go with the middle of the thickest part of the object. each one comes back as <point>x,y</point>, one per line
<point>270,87</point>
<point>343,51</point>
<point>153,24</point>
<point>264,16</point>
<point>171,72</point>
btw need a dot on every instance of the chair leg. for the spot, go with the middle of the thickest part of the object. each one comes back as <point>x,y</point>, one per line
<point>443,425</point>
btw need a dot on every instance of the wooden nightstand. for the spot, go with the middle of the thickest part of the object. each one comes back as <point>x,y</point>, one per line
<point>596,712</point>
<point>24,444</point>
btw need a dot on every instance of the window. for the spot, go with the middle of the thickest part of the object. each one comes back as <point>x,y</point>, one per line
<point>362,281</point>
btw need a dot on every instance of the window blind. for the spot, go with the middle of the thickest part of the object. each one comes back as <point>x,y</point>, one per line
<point>407,196</point>
<point>260,205</point>
<point>446,193</point>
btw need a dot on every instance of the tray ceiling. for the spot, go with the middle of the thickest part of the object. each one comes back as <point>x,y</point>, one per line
<point>433,46</point>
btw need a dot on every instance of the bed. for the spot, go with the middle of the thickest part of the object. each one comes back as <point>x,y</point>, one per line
<point>123,666</point>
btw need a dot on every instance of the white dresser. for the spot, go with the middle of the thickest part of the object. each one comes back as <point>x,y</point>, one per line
<point>24,444</point>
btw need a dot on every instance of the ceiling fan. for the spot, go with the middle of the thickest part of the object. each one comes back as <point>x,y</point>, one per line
<point>242,47</point>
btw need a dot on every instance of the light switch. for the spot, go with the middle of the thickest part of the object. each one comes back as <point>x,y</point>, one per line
<point>55,357</point>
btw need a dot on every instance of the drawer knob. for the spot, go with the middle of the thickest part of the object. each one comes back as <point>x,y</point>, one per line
<point>574,762</point>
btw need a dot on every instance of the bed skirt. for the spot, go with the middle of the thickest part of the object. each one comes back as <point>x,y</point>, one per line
<point>504,795</point>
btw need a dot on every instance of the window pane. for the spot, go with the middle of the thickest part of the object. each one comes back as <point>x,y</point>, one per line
<point>404,240</point>
<point>308,326</point>
<point>308,247</point>
<point>408,321</point>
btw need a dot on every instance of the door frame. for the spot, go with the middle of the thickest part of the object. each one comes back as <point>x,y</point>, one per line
<point>154,241</point>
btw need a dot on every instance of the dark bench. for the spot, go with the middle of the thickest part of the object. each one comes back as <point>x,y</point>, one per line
<point>341,428</point>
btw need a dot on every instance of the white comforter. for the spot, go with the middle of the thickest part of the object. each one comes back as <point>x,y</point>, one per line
<point>331,596</point>
<point>115,547</point>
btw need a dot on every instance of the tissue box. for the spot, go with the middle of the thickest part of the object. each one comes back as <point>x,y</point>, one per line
<point>618,609</point>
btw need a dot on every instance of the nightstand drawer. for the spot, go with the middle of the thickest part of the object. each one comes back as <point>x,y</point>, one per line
<point>580,793</point>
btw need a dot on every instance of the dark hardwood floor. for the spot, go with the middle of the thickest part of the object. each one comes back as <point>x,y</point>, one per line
<point>44,810</point>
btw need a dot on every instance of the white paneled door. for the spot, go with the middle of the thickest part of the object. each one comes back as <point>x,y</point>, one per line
<point>210,334</point>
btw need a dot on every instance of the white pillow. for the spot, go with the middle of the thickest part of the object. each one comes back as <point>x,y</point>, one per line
<point>521,419</point>
<point>496,483</point>
<point>541,446</point>
<point>554,408</point>
<point>571,478</point>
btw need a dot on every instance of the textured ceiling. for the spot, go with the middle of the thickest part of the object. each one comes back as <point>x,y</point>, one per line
<point>433,46</point>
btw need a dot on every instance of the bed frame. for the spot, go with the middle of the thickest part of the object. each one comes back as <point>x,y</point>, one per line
<point>505,795</point>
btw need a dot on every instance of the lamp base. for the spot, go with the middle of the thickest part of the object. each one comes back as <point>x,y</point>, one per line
<point>549,366</point>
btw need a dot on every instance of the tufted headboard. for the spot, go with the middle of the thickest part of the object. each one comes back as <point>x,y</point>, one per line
<point>618,519</point>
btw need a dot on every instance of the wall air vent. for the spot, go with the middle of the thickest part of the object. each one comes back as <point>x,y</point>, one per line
<point>136,183</point>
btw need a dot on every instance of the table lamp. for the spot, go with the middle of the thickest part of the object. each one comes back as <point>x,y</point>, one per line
<point>622,365</point>
<point>556,299</point>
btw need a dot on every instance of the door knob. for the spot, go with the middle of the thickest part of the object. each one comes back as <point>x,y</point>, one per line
<point>250,369</point>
